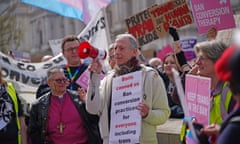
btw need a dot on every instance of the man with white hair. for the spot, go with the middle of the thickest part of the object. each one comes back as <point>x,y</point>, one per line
<point>153,108</point>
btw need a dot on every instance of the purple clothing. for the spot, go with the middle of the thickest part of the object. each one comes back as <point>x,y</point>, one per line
<point>230,130</point>
<point>63,110</point>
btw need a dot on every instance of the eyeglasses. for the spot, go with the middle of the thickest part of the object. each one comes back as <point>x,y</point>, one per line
<point>201,58</point>
<point>60,80</point>
<point>72,49</point>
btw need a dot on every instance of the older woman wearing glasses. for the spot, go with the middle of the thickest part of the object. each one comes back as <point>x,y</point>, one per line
<point>60,116</point>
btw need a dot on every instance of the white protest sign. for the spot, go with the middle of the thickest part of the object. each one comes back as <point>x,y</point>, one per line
<point>125,126</point>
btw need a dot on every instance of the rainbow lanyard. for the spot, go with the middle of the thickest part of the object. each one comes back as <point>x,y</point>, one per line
<point>72,77</point>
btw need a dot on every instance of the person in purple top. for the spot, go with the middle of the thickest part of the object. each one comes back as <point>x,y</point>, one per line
<point>60,117</point>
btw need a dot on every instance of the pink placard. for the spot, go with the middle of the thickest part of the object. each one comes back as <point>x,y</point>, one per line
<point>197,91</point>
<point>212,13</point>
<point>83,79</point>
<point>189,140</point>
<point>165,50</point>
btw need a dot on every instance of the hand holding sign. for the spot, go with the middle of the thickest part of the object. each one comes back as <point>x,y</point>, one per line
<point>82,93</point>
<point>144,109</point>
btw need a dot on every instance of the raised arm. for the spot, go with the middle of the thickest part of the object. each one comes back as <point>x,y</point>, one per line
<point>178,50</point>
<point>93,101</point>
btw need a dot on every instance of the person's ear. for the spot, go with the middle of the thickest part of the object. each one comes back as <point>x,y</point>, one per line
<point>135,52</point>
<point>48,82</point>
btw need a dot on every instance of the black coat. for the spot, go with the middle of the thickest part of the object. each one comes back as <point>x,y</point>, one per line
<point>39,115</point>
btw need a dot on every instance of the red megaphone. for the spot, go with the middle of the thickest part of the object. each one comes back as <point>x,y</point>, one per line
<point>86,50</point>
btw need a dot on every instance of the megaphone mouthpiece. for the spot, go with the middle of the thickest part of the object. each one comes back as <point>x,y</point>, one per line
<point>85,50</point>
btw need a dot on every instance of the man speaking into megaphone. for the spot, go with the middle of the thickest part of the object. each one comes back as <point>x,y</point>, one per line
<point>153,109</point>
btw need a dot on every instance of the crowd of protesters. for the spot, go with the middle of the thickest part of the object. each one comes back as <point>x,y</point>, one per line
<point>65,112</point>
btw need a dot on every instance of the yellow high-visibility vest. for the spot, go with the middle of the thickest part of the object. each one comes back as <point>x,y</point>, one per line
<point>220,105</point>
<point>11,91</point>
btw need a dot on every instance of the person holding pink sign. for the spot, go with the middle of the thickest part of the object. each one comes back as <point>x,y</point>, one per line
<point>153,109</point>
<point>222,103</point>
<point>75,66</point>
<point>227,69</point>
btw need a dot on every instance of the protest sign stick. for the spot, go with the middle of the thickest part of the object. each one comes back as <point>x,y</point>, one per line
<point>181,95</point>
<point>180,91</point>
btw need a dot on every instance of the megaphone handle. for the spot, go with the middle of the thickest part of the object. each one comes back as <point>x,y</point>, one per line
<point>91,74</point>
<point>105,66</point>
<point>93,91</point>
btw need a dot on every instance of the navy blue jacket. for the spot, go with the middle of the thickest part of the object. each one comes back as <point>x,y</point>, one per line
<point>230,129</point>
